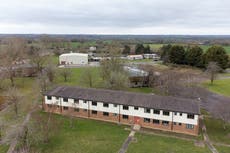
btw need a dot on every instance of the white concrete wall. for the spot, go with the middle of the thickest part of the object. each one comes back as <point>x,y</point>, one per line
<point>140,112</point>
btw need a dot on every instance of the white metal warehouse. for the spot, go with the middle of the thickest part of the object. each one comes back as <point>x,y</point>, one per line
<point>73,59</point>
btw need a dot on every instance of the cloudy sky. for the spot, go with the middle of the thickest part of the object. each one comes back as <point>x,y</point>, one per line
<point>115,16</point>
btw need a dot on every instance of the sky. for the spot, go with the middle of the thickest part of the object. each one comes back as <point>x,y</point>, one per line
<point>194,17</point>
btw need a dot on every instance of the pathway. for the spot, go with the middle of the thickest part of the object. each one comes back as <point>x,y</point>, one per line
<point>129,139</point>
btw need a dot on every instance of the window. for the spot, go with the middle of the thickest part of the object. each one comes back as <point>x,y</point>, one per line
<point>84,101</point>
<point>156,121</point>
<point>180,114</point>
<point>105,114</point>
<point>85,110</point>
<point>65,99</point>
<point>189,126</point>
<point>166,113</point>
<point>156,111</point>
<point>105,105</point>
<point>174,123</point>
<point>114,105</point>
<point>49,97</point>
<point>65,108</point>
<point>94,103</point>
<point>179,124</point>
<point>76,109</point>
<point>125,116</point>
<point>49,105</point>
<point>165,123</point>
<point>190,116</point>
<point>57,98</point>
<point>94,112</point>
<point>76,101</point>
<point>147,110</point>
<point>147,120</point>
<point>136,108</point>
<point>175,113</point>
<point>114,114</point>
<point>125,107</point>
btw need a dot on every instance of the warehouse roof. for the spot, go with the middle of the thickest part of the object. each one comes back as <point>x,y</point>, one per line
<point>127,98</point>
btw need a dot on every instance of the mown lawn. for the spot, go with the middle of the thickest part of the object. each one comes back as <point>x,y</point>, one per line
<point>4,148</point>
<point>219,86</point>
<point>216,131</point>
<point>223,149</point>
<point>158,144</point>
<point>86,136</point>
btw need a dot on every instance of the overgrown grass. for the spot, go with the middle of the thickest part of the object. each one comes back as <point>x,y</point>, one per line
<point>4,148</point>
<point>219,86</point>
<point>157,144</point>
<point>216,131</point>
<point>223,149</point>
<point>86,136</point>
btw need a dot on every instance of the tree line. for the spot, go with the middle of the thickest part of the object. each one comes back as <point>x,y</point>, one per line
<point>195,56</point>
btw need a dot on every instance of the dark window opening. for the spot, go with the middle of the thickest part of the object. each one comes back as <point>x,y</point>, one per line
<point>65,108</point>
<point>94,103</point>
<point>76,101</point>
<point>165,123</point>
<point>190,116</point>
<point>156,121</point>
<point>125,107</point>
<point>105,105</point>
<point>49,97</point>
<point>65,99</point>
<point>156,111</point>
<point>147,110</point>
<point>166,113</point>
<point>147,120</point>
<point>76,109</point>
<point>136,108</point>
<point>125,116</point>
<point>94,112</point>
<point>105,114</point>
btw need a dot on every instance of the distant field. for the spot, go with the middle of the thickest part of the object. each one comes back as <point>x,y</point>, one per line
<point>156,47</point>
<point>86,136</point>
<point>159,144</point>
<point>219,86</point>
<point>223,149</point>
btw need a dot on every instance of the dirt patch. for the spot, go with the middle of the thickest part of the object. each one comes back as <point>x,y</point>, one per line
<point>228,135</point>
<point>2,101</point>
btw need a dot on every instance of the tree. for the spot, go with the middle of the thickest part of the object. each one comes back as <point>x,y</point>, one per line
<point>113,74</point>
<point>147,49</point>
<point>193,56</point>
<point>14,52</point>
<point>177,54</point>
<point>217,54</point>
<point>43,82</point>
<point>88,77</point>
<point>65,73</point>
<point>36,57</point>
<point>14,98</point>
<point>213,70</point>
<point>126,50</point>
<point>139,49</point>
<point>164,50</point>
<point>50,70</point>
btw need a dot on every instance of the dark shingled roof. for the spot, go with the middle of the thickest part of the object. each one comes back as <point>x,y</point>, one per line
<point>127,98</point>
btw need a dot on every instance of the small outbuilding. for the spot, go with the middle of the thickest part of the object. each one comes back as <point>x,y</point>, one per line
<point>135,57</point>
<point>73,59</point>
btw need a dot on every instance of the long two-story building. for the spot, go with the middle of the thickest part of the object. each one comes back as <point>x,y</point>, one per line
<point>149,111</point>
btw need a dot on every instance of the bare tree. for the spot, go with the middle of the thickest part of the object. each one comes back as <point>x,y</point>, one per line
<point>212,70</point>
<point>222,110</point>
<point>87,77</point>
<point>13,52</point>
<point>65,73</point>
<point>50,70</point>
<point>36,57</point>
<point>14,98</point>
<point>43,82</point>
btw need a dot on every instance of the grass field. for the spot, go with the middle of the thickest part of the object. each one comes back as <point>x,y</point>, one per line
<point>87,136</point>
<point>158,144</point>
<point>156,47</point>
<point>223,149</point>
<point>3,148</point>
<point>216,132</point>
<point>219,86</point>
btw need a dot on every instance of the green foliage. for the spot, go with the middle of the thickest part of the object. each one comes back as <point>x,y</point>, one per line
<point>194,56</point>
<point>177,54</point>
<point>217,54</point>
<point>140,49</point>
<point>126,50</point>
<point>164,50</point>
<point>219,86</point>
